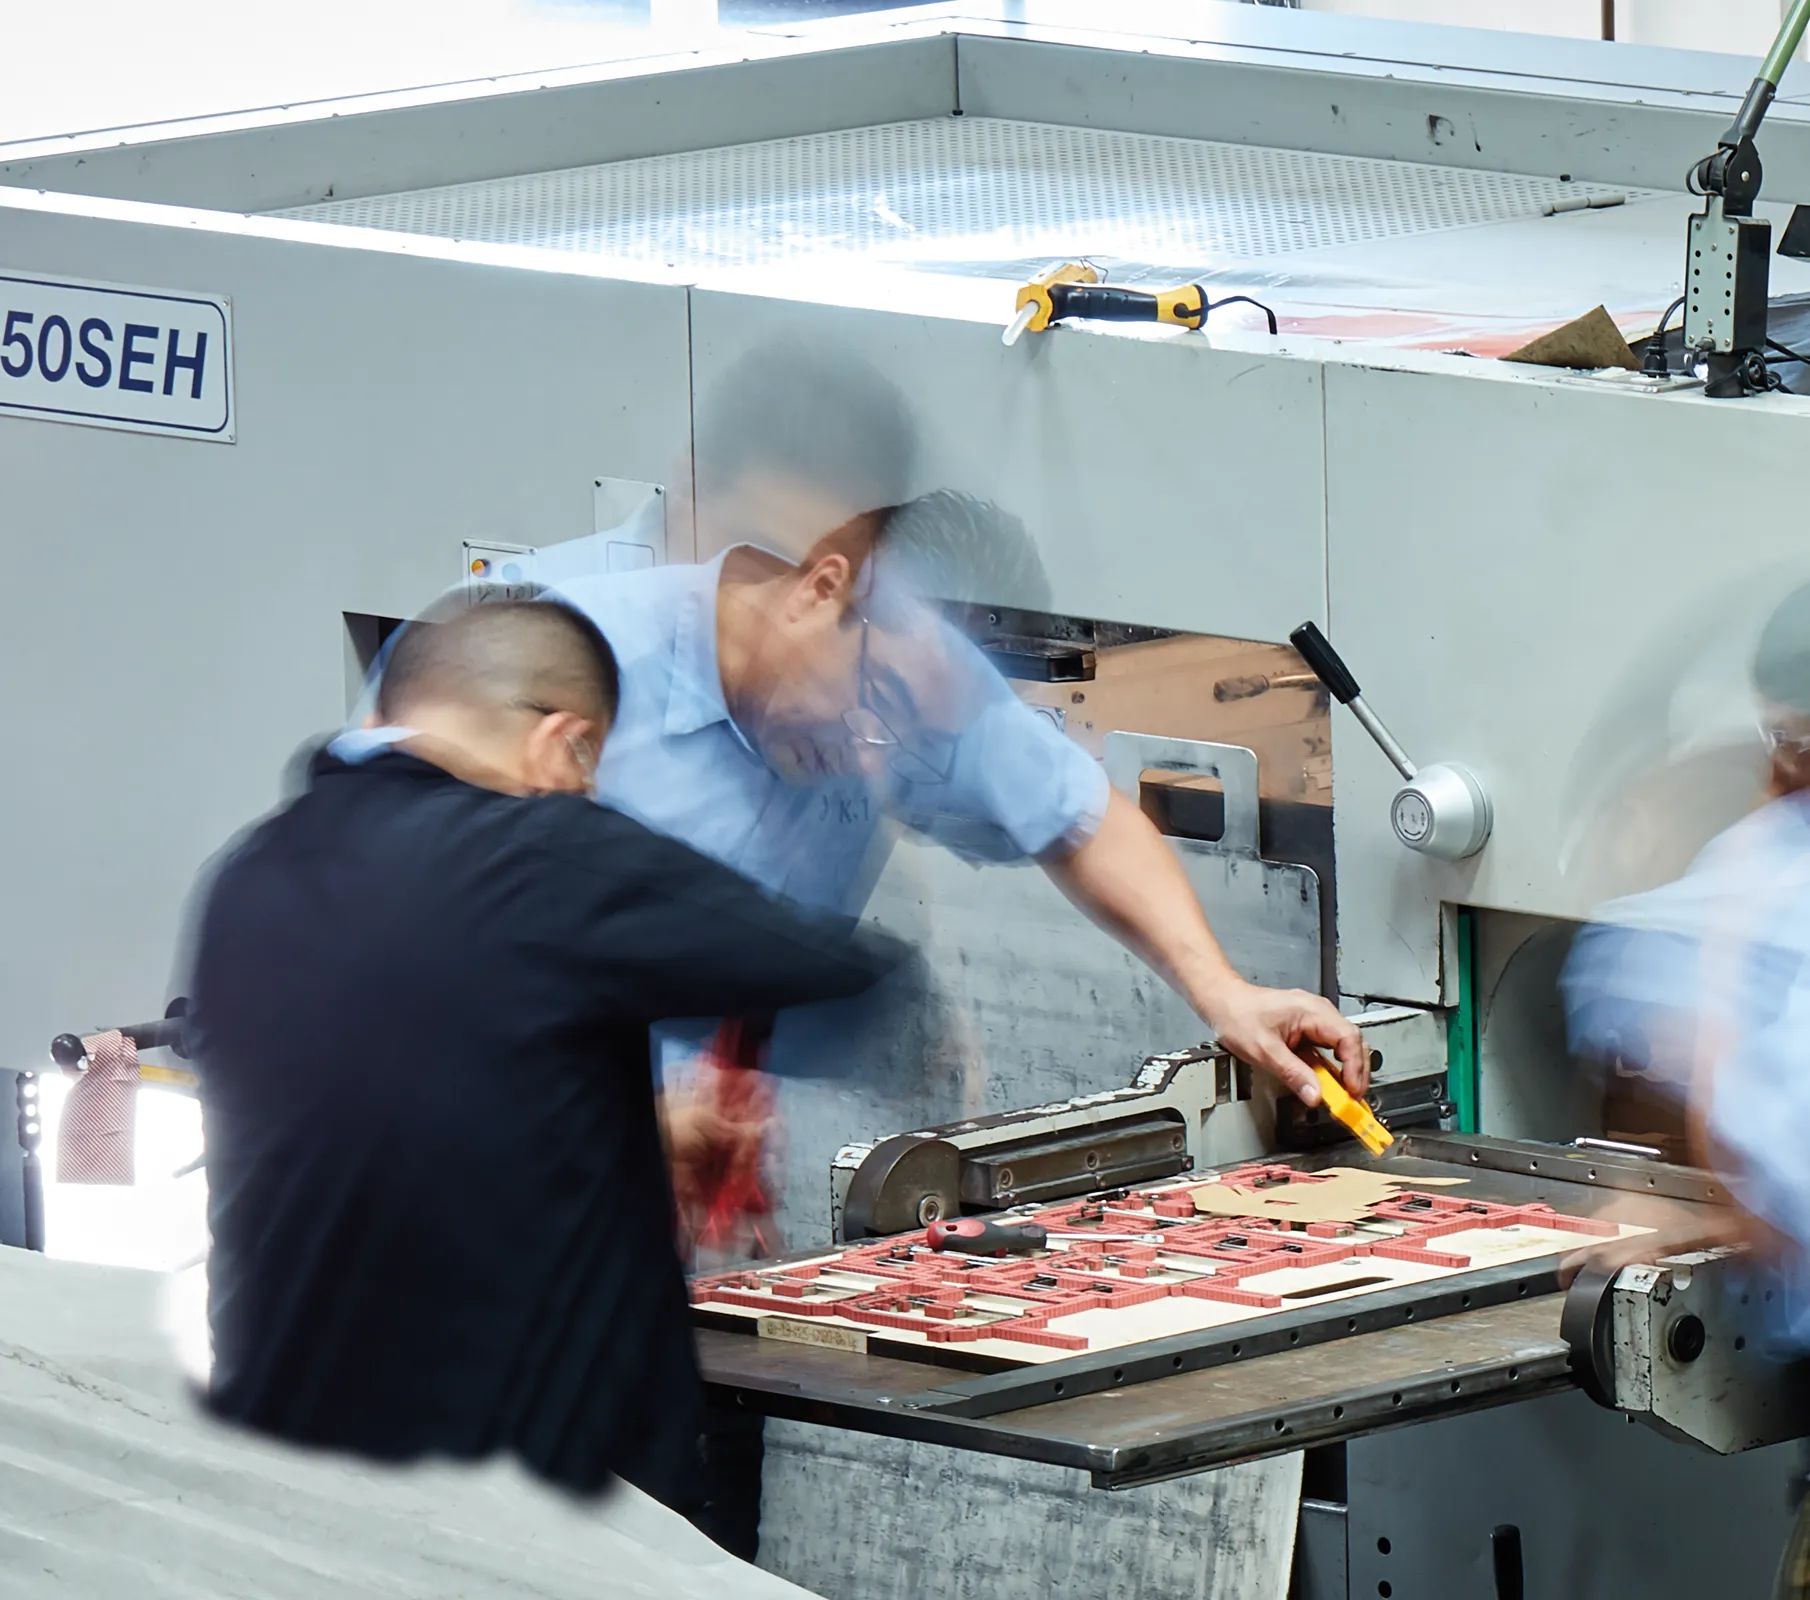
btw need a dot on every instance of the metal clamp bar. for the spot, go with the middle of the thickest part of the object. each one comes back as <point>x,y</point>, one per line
<point>1562,1164</point>
<point>1451,1391</point>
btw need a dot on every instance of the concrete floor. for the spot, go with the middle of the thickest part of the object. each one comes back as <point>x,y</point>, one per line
<point>114,1487</point>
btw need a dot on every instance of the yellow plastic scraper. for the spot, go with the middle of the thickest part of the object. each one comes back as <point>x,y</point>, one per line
<point>1353,1113</point>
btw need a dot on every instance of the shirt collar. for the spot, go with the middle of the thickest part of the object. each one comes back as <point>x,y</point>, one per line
<point>358,745</point>
<point>695,698</point>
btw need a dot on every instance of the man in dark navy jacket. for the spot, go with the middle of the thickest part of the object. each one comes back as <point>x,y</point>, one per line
<point>442,1221</point>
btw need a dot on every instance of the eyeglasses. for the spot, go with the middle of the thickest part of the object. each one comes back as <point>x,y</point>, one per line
<point>878,716</point>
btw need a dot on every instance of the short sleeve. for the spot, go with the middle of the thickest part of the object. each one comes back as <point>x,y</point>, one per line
<point>1759,1107</point>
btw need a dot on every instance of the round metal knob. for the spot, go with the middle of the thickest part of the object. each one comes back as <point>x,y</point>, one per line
<point>1442,811</point>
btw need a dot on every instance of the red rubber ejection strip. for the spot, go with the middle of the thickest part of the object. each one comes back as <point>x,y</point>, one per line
<point>925,1292</point>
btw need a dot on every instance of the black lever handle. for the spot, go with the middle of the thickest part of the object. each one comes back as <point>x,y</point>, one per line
<point>1317,651</point>
<point>68,1051</point>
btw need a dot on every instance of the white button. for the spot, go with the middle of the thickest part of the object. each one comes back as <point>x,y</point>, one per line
<point>1413,818</point>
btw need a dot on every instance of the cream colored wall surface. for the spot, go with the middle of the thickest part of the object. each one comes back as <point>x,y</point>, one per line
<point>1577,19</point>
<point>1738,27</point>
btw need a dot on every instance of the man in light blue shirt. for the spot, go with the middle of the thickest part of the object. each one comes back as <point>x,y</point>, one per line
<point>1702,987</point>
<point>798,811</point>
<point>780,700</point>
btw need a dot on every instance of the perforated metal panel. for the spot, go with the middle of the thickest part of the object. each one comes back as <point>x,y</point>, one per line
<point>962,191</point>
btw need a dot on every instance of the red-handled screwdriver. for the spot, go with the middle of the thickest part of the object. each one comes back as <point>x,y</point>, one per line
<point>975,1236</point>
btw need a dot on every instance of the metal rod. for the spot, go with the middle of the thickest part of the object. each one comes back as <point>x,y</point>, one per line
<point>1759,97</point>
<point>1385,740</point>
<point>1784,47</point>
<point>1618,1147</point>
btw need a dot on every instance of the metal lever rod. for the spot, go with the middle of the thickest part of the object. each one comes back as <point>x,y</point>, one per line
<point>1329,667</point>
<point>1772,70</point>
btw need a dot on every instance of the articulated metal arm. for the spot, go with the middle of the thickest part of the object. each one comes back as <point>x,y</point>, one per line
<point>1728,257</point>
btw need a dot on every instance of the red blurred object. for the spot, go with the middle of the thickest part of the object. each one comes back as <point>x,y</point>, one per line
<point>95,1140</point>
<point>731,1205</point>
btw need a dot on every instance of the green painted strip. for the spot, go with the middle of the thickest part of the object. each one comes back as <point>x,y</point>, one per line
<point>1461,1027</point>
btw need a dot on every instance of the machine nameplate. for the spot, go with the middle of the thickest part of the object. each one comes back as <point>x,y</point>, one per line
<point>113,357</point>
<point>794,1330</point>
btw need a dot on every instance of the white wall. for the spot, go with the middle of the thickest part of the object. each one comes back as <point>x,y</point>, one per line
<point>1577,19</point>
<point>1739,27</point>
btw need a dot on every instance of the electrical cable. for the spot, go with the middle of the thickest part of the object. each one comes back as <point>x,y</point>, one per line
<point>1787,352</point>
<point>1208,307</point>
<point>1658,363</point>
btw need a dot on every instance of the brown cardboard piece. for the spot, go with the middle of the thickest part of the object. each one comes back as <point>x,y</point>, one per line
<point>1592,341</point>
<point>1348,1194</point>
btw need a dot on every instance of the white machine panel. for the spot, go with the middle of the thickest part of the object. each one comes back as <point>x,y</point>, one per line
<point>1166,482</point>
<point>1525,578</point>
<point>191,634</point>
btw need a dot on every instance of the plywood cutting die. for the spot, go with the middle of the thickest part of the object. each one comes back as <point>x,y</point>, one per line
<point>1131,1265</point>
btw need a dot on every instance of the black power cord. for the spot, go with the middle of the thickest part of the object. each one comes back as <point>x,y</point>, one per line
<point>1208,307</point>
<point>1658,363</point>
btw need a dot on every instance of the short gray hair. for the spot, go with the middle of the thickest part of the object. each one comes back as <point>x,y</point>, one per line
<point>953,546</point>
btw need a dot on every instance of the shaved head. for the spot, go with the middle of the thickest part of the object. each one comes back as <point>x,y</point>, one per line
<point>536,655</point>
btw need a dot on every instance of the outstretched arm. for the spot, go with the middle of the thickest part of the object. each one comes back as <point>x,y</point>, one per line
<point>1128,879</point>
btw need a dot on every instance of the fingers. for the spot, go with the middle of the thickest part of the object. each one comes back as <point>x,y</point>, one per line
<point>1279,1030</point>
<point>1294,1074</point>
<point>1325,1025</point>
<point>1354,1062</point>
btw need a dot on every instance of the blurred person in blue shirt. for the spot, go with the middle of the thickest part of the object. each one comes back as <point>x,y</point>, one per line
<point>783,699</point>
<point>1702,988</point>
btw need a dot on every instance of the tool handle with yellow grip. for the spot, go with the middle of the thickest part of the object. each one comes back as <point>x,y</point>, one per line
<point>1180,308</point>
<point>1351,1111</point>
<point>1185,307</point>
